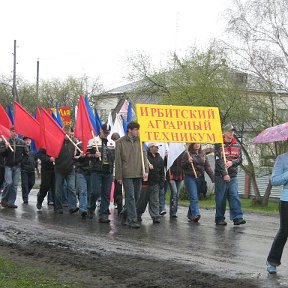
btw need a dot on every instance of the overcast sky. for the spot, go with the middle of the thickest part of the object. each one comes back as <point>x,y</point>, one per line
<point>94,37</point>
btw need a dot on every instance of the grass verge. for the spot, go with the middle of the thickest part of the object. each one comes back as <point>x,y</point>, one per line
<point>247,205</point>
<point>13,275</point>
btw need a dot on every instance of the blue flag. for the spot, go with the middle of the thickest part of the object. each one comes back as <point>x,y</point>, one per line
<point>56,119</point>
<point>91,115</point>
<point>124,123</point>
<point>98,122</point>
<point>58,116</point>
<point>130,116</point>
<point>10,114</point>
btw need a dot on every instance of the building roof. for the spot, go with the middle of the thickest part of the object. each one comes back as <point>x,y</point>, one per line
<point>247,81</point>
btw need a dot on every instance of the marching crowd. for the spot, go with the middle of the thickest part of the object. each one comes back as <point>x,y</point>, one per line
<point>78,180</point>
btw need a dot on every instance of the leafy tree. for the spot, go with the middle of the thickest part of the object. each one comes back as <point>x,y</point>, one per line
<point>65,92</point>
<point>206,79</point>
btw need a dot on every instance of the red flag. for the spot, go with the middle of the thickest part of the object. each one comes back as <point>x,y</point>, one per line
<point>4,132</point>
<point>53,134</point>
<point>83,126</point>
<point>4,118</point>
<point>41,141</point>
<point>25,124</point>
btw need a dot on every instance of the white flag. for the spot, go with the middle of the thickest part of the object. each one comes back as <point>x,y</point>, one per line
<point>110,120</point>
<point>175,149</point>
<point>117,126</point>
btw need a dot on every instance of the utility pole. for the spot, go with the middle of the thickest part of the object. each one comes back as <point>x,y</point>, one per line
<point>14,89</point>
<point>37,83</point>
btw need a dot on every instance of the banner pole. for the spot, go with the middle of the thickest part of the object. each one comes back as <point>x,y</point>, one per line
<point>192,165</point>
<point>95,143</point>
<point>142,157</point>
<point>68,137</point>
<point>6,142</point>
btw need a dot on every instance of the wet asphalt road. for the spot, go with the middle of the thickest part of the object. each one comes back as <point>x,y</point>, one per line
<point>231,251</point>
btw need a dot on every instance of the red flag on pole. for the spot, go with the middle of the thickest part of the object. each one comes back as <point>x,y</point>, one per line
<point>83,126</point>
<point>4,118</point>
<point>53,134</point>
<point>41,142</point>
<point>25,124</point>
<point>4,132</point>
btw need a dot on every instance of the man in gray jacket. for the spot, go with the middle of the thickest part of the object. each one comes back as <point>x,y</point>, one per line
<point>129,169</point>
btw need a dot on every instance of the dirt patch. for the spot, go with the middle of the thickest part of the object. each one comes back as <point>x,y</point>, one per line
<point>112,270</point>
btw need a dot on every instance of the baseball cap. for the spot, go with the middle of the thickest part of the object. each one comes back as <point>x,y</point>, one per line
<point>154,144</point>
<point>106,128</point>
<point>228,127</point>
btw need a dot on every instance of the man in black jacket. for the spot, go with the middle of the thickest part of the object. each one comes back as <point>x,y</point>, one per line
<point>101,153</point>
<point>47,176</point>
<point>83,180</point>
<point>64,169</point>
<point>150,191</point>
<point>28,166</point>
<point>13,161</point>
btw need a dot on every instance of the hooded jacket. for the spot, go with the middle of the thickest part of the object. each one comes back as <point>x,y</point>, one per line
<point>233,153</point>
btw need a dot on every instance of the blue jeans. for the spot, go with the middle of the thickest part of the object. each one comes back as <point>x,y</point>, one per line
<point>83,189</point>
<point>65,193</point>
<point>175,186</point>
<point>224,190</point>
<point>132,187</point>
<point>59,180</point>
<point>280,240</point>
<point>27,183</point>
<point>162,193</point>
<point>100,186</point>
<point>12,176</point>
<point>192,188</point>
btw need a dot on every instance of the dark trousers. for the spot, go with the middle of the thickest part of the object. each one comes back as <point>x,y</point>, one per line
<point>118,197</point>
<point>279,242</point>
<point>100,186</point>
<point>27,183</point>
<point>149,194</point>
<point>47,183</point>
<point>2,176</point>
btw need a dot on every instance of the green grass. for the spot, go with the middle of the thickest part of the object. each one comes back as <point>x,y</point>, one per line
<point>247,204</point>
<point>13,275</point>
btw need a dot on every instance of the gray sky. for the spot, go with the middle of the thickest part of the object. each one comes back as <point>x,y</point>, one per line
<point>94,37</point>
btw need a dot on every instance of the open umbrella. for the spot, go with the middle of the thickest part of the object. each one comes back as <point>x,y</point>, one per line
<point>273,134</point>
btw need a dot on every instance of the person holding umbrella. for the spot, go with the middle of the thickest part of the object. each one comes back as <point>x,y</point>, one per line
<point>280,177</point>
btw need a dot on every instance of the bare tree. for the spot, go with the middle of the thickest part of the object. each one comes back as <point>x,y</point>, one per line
<point>260,33</point>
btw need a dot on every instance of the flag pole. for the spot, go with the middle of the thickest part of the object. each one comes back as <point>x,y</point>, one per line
<point>6,142</point>
<point>68,137</point>
<point>94,138</point>
<point>192,165</point>
<point>224,156</point>
<point>142,157</point>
